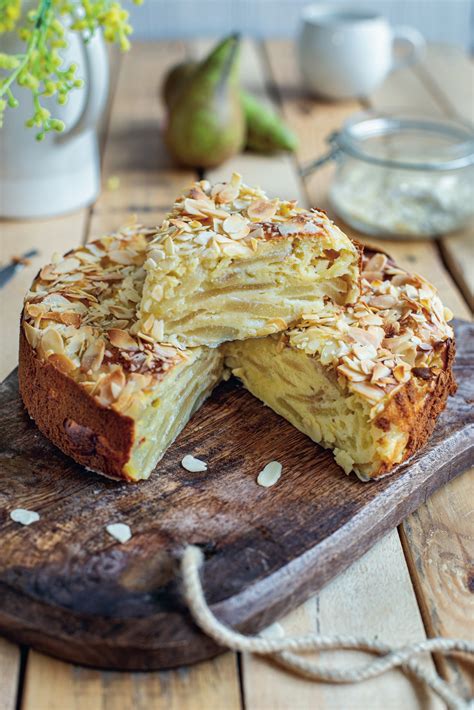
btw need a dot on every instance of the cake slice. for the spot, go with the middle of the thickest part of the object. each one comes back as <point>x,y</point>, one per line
<point>366,380</point>
<point>229,264</point>
<point>112,401</point>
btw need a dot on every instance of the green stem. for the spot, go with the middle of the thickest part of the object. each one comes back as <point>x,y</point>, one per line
<point>43,8</point>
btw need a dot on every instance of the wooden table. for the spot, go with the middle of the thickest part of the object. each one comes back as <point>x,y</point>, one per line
<point>418,581</point>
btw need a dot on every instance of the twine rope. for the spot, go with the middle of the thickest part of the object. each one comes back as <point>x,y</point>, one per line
<point>284,650</point>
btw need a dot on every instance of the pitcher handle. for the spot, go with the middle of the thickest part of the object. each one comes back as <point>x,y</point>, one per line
<point>96,86</point>
<point>414,43</point>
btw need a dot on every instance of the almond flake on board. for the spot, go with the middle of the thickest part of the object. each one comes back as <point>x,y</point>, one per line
<point>24,517</point>
<point>193,465</point>
<point>269,475</point>
<point>119,531</point>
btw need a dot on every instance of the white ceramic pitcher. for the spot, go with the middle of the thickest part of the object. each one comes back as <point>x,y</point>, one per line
<point>62,172</point>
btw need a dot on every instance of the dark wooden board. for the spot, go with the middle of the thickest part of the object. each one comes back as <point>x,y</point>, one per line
<point>69,589</point>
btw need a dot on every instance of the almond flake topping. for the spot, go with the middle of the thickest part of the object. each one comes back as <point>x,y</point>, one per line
<point>119,531</point>
<point>262,210</point>
<point>193,465</point>
<point>23,516</point>
<point>376,344</point>
<point>80,316</point>
<point>122,340</point>
<point>270,474</point>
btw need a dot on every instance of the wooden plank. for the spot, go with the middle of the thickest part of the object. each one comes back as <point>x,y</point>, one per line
<point>441,530</point>
<point>448,73</point>
<point>98,608</point>
<point>359,601</point>
<point>138,178</point>
<point>9,674</point>
<point>54,685</point>
<point>17,237</point>
<point>423,257</point>
<point>264,687</point>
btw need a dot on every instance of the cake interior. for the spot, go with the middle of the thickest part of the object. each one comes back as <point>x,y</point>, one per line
<point>170,406</point>
<point>312,398</point>
<point>221,299</point>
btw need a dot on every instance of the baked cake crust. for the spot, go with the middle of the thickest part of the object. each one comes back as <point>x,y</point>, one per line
<point>113,397</point>
<point>386,362</point>
<point>102,442</point>
<point>112,401</point>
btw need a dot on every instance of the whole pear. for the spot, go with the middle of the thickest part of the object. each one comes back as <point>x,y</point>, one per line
<point>206,122</point>
<point>176,79</point>
<point>266,132</point>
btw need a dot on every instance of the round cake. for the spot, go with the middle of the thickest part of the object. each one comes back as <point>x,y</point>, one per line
<point>366,377</point>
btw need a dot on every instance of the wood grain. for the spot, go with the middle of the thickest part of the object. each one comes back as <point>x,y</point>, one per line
<point>370,594</point>
<point>449,74</point>
<point>441,529</point>
<point>212,685</point>
<point>69,589</point>
<point>264,686</point>
<point>9,674</point>
<point>314,121</point>
<point>139,177</point>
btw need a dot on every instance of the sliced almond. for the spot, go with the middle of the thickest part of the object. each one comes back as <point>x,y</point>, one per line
<point>270,474</point>
<point>368,391</point>
<point>47,273</point>
<point>236,226</point>
<point>224,192</point>
<point>364,352</point>
<point>32,334</point>
<point>193,207</point>
<point>192,464</point>
<point>62,363</point>
<point>93,356</point>
<point>121,339</point>
<point>67,266</point>
<point>121,256</point>
<point>379,372</point>
<point>384,301</point>
<point>51,341</point>
<point>262,210</point>
<point>376,263</point>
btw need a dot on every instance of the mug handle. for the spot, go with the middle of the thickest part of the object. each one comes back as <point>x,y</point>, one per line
<point>414,45</point>
<point>96,86</point>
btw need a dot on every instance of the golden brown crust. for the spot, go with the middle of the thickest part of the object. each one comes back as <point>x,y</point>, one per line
<point>97,437</point>
<point>416,407</point>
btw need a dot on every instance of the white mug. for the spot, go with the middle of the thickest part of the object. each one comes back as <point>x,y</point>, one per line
<point>347,53</point>
<point>62,172</point>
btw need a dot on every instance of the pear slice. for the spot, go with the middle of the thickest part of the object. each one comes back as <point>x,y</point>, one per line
<point>229,263</point>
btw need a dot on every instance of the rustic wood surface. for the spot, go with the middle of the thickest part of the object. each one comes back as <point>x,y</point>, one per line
<point>68,589</point>
<point>382,596</point>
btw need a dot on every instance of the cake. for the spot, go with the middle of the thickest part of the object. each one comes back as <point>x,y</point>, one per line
<point>229,263</point>
<point>121,340</point>
<point>111,400</point>
<point>367,380</point>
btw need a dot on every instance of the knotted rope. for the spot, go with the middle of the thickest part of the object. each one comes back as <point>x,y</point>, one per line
<point>284,649</point>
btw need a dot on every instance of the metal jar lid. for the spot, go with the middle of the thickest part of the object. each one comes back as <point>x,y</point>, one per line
<point>402,141</point>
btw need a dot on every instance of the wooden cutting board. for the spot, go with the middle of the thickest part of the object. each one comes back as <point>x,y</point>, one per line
<point>69,589</point>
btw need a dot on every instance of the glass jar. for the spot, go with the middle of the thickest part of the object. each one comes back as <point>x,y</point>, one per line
<point>402,176</point>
